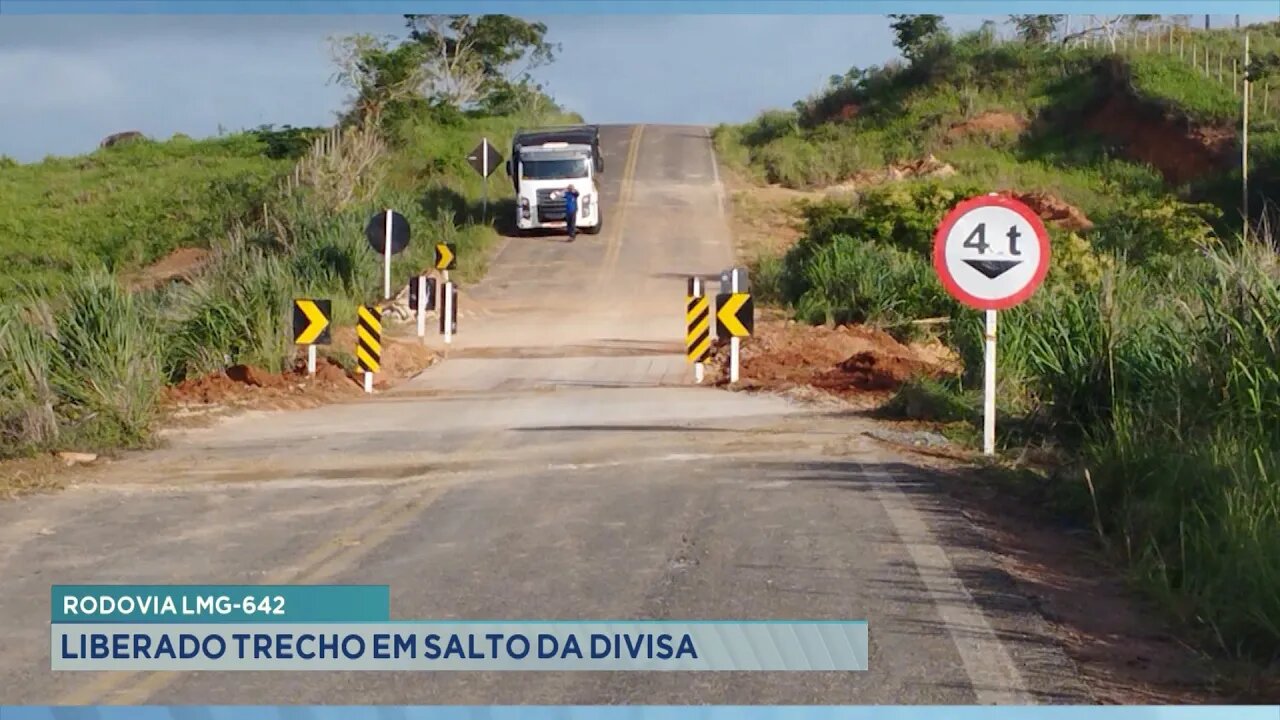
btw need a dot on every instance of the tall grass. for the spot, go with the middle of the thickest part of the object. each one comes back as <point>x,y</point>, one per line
<point>82,369</point>
<point>1156,370</point>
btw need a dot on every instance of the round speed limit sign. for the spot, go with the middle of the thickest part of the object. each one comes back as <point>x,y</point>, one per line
<point>991,252</point>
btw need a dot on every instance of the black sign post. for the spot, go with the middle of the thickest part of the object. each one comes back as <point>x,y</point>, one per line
<point>485,158</point>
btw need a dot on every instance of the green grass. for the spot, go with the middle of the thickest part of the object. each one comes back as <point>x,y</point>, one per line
<point>1150,357</point>
<point>127,205</point>
<point>1173,81</point>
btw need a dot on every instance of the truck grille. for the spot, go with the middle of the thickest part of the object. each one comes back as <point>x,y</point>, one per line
<point>551,209</point>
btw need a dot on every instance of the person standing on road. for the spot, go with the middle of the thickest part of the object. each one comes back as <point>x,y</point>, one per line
<point>571,211</point>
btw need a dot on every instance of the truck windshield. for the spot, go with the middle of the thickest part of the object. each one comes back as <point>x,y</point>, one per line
<point>554,169</point>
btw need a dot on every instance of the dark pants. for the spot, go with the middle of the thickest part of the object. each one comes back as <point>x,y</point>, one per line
<point>571,222</point>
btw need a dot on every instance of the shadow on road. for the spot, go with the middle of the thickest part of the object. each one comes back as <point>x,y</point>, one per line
<point>605,349</point>
<point>624,428</point>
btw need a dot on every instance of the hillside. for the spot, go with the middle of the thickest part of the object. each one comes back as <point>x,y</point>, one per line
<point>150,265</point>
<point>1141,379</point>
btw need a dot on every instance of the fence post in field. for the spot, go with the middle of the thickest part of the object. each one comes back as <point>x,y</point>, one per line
<point>1244,143</point>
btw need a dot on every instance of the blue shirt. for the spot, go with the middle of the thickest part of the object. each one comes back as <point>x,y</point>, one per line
<point>571,201</point>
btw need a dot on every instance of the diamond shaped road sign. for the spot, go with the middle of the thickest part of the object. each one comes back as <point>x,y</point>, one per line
<point>991,252</point>
<point>485,158</point>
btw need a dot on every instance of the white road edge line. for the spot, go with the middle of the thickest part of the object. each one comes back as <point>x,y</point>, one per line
<point>995,678</point>
<point>715,172</point>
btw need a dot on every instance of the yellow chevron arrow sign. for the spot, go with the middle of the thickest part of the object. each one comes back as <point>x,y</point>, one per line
<point>311,322</point>
<point>446,257</point>
<point>735,313</point>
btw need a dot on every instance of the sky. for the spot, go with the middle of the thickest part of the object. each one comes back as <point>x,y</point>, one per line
<point>69,81</point>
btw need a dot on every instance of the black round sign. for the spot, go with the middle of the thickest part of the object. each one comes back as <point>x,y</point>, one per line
<point>376,232</point>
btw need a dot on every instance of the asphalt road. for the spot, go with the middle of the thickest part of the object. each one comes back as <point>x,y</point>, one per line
<point>558,464</point>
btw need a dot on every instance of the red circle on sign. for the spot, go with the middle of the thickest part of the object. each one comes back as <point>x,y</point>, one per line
<point>940,245</point>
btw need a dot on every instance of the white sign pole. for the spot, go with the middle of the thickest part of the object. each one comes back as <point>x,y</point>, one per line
<point>368,382</point>
<point>989,389</point>
<point>699,372</point>
<point>991,253</point>
<point>735,341</point>
<point>422,305</point>
<point>448,312</point>
<point>484,181</point>
<point>311,359</point>
<point>386,246</point>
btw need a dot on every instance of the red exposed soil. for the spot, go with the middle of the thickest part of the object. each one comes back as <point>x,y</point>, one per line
<point>853,362</point>
<point>181,264</point>
<point>1053,210</point>
<point>988,123</point>
<point>247,386</point>
<point>1181,154</point>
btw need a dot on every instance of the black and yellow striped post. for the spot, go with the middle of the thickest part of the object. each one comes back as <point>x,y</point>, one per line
<point>697,319</point>
<point>369,343</point>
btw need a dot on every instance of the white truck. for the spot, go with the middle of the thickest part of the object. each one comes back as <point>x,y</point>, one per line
<point>546,161</point>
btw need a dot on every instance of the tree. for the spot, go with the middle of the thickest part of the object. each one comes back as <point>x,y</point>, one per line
<point>379,73</point>
<point>914,33</point>
<point>467,57</point>
<point>1109,26</point>
<point>1035,29</point>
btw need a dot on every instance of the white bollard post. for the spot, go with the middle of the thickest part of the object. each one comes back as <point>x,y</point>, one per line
<point>422,305</point>
<point>699,370</point>
<point>311,359</point>
<point>368,382</point>
<point>386,255</point>
<point>989,389</point>
<point>448,312</point>
<point>735,341</point>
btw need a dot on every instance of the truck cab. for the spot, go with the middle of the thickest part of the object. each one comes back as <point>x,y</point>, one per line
<point>543,164</point>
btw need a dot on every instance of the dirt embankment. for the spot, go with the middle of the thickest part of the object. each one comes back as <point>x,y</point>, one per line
<point>244,386</point>
<point>181,265</point>
<point>1179,149</point>
<point>855,363</point>
<point>1181,152</point>
<point>995,122</point>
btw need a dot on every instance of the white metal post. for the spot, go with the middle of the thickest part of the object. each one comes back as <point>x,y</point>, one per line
<point>368,382</point>
<point>448,312</point>
<point>422,305</point>
<point>311,359</point>
<point>484,182</point>
<point>699,369</point>
<point>734,341</point>
<point>386,268</point>
<point>989,390</point>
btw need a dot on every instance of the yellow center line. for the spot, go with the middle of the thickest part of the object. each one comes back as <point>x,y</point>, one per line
<point>614,250</point>
<point>322,563</point>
